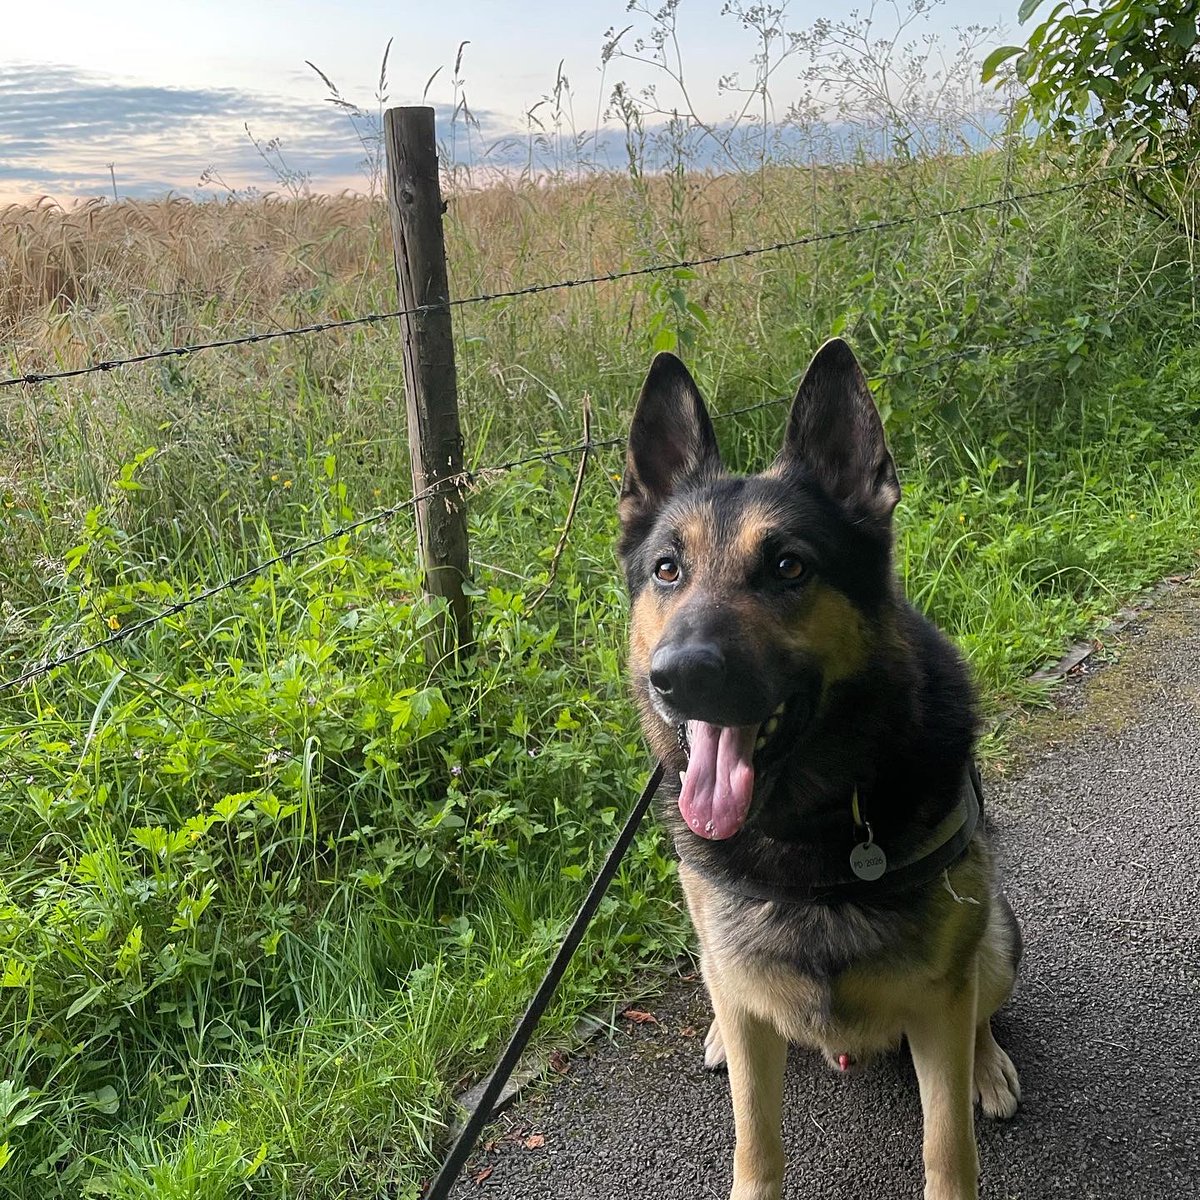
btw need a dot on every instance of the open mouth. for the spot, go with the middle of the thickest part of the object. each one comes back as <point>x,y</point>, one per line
<point>717,789</point>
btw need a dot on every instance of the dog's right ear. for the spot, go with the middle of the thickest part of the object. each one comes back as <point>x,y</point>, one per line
<point>671,440</point>
<point>835,431</point>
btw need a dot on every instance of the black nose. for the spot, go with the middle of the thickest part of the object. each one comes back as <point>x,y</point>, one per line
<point>690,675</point>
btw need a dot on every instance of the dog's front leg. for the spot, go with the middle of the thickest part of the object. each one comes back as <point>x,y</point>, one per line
<point>942,1041</point>
<point>755,1053</point>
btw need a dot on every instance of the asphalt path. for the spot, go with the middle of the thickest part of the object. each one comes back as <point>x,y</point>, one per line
<point>1098,833</point>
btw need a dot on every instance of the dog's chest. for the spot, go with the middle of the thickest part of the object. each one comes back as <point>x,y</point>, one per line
<point>822,978</point>
<point>859,1010</point>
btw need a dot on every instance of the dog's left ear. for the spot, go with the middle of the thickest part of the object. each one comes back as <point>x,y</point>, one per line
<point>671,441</point>
<point>835,431</point>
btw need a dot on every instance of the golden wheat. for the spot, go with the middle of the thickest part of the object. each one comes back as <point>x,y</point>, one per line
<point>104,279</point>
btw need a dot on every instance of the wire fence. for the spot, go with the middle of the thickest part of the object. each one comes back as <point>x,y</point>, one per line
<point>534,289</point>
<point>476,476</point>
<point>482,475</point>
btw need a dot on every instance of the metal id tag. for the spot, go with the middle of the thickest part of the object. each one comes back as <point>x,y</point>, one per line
<point>868,861</point>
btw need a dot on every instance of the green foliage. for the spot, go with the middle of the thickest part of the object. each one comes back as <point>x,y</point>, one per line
<point>1120,74</point>
<point>268,888</point>
<point>222,841</point>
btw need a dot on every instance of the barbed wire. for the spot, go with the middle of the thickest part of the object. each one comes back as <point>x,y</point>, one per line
<point>171,610</point>
<point>368,319</point>
<point>471,477</point>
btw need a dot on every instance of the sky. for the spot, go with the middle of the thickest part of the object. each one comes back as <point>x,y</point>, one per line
<point>165,90</point>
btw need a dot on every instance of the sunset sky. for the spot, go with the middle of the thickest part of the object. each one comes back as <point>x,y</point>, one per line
<point>163,89</point>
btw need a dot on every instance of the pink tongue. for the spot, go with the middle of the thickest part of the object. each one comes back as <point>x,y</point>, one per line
<point>719,785</point>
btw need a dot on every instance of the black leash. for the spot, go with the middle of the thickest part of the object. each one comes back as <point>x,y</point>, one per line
<point>440,1188</point>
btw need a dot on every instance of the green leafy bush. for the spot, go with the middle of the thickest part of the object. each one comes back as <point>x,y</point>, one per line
<point>1121,77</point>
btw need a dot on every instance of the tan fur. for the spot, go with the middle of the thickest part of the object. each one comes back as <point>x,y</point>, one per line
<point>646,623</point>
<point>941,1037</point>
<point>830,628</point>
<point>942,1002</point>
<point>756,523</point>
<point>833,631</point>
<point>696,532</point>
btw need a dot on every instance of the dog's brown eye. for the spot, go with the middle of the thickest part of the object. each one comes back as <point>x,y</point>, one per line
<point>666,570</point>
<point>789,568</point>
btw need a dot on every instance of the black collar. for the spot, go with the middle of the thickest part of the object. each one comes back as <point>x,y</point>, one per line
<point>905,870</point>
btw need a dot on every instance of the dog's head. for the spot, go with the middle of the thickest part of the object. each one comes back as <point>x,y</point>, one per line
<point>752,597</point>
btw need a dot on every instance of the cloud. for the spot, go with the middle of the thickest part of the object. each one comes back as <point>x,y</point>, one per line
<point>60,127</point>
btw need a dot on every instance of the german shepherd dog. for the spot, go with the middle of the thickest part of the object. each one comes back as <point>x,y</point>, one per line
<point>816,725</point>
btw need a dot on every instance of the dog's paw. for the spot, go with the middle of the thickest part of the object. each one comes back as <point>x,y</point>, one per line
<point>997,1086</point>
<point>714,1047</point>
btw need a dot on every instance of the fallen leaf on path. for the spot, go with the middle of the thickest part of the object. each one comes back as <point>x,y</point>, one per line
<point>483,1175</point>
<point>559,1062</point>
<point>638,1017</point>
<point>535,1141</point>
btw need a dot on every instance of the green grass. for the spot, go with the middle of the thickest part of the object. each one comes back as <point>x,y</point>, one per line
<point>270,887</point>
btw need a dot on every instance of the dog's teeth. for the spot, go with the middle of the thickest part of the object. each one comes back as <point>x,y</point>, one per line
<point>682,778</point>
<point>772,725</point>
<point>782,706</point>
<point>762,741</point>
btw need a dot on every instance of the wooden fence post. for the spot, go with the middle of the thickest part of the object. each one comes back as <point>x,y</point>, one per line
<point>431,386</point>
